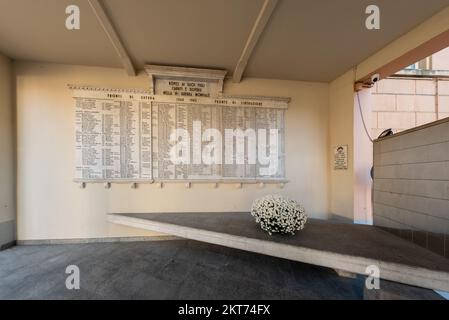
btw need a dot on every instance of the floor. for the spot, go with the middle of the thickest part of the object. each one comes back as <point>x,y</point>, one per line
<point>171,269</point>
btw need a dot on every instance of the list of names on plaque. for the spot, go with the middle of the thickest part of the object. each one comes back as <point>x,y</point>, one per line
<point>113,137</point>
<point>139,136</point>
<point>239,132</point>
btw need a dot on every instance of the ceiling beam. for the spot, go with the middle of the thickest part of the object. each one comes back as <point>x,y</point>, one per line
<point>108,28</point>
<point>261,21</point>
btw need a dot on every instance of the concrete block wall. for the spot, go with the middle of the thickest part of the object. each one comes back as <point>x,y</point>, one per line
<point>404,103</point>
<point>411,185</point>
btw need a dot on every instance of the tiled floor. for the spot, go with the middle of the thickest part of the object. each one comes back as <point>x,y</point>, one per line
<point>173,269</point>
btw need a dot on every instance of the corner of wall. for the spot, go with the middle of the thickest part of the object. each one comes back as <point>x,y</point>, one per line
<point>341,132</point>
<point>7,156</point>
<point>349,188</point>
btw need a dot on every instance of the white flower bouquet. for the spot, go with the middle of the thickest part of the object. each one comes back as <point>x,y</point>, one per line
<point>277,214</point>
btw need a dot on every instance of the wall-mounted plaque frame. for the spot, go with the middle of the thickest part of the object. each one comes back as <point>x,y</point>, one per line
<point>125,135</point>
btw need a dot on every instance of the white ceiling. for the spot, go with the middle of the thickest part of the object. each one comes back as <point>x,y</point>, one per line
<point>314,40</point>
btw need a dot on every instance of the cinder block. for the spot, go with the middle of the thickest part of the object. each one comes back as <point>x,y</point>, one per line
<point>396,86</point>
<point>437,189</point>
<point>429,135</point>
<point>442,115</point>
<point>416,171</point>
<point>402,120</point>
<point>425,117</point>
<point>381,221</point>
<point>425,87</point>
<point>410,220</point>
<point>393,206</point>
<point>405,102</point>
<point>393,215</point>
<point>425,103</point>
<point>425,171</point>
<point>384,102</point>
<point>437,208</point>
<point>427,153</point>
<point>443,87</point>
<point>443,103</point>
<point>376,147</point>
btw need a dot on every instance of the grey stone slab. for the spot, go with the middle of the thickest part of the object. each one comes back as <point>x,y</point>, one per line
<point>94,240</point>
<point>422,188</point>
<point>414,171</point>
<point>351,239</point>
<point>428,153</point>
<point>436,133</point>
<point>438,208</point>
<point>341,246</point>
<point>397,218</point>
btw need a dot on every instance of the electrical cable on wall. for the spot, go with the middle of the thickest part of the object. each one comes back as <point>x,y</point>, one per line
<point>361,116</point>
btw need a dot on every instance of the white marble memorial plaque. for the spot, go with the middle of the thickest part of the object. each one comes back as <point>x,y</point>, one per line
<point>113,135</point>
<point>182,129</point>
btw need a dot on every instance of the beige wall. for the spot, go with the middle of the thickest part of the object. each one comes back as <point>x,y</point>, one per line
<point>320,117</point>
<point>341,132</point>
<point>440,60</point>
<point>350,190</point>
<point>51,206</point>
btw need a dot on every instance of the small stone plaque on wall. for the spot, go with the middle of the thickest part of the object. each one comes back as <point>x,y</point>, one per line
<point>341,157</point>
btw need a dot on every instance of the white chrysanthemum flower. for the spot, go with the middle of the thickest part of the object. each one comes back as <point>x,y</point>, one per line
<point>277,214</point>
